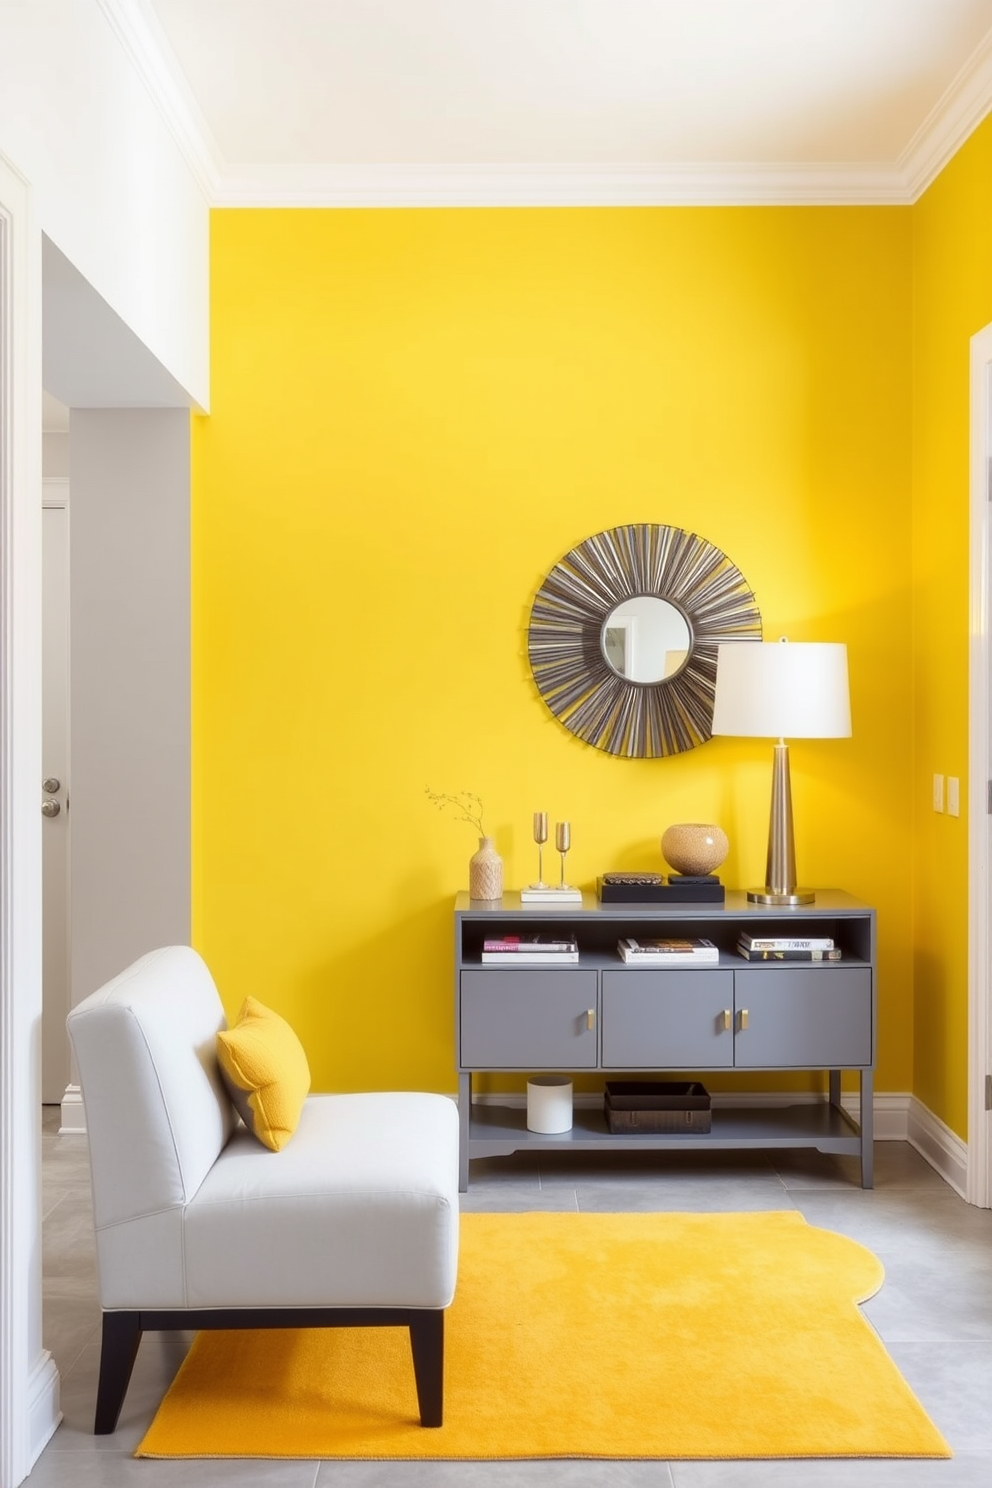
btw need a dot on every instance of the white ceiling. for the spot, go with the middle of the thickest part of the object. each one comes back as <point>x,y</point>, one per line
<point>351,101</point>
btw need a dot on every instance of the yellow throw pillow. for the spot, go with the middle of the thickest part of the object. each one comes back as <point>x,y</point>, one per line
<point>266,1072</point>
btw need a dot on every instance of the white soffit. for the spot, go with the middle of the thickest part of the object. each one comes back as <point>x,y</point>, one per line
<point>563,102</point>
<point>90,357</point>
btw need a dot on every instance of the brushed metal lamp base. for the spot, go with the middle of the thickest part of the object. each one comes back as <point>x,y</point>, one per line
<point>780,872</point>
<point>768,896</point>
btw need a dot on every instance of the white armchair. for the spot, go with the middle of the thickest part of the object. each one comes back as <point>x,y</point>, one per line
<point>353,1223</point>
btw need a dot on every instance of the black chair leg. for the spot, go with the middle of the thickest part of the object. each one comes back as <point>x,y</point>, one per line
<point>121,1336</point>
<point>427,1344</point>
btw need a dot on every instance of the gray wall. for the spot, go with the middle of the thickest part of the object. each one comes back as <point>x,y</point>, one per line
<point>129,688</point>
<point>54,454</point>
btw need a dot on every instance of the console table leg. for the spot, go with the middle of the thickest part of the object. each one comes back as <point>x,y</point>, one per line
<point>834,1087</point>
<point>464,1116</point>
<point>867,1115</point>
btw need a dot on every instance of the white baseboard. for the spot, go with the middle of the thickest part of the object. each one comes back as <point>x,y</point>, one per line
<point>942,1148</point>
<point>73,1113</point>
<point>890,1112</point>
<point>44,1408</point>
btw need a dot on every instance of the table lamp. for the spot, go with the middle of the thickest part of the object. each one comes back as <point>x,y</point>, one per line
<point>779,689</point>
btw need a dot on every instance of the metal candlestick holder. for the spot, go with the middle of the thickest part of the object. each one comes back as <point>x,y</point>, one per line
<point>540,837</point>
<point>563,841</point>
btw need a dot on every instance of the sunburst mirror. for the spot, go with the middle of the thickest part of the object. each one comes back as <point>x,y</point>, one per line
<point>623,637</point>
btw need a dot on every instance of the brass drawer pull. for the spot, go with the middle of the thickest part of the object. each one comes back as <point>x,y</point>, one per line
<point>742,1020</point>
<point>590,1018</point>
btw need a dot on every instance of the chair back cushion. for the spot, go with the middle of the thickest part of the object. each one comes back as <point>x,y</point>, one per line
<point>157,1114</point>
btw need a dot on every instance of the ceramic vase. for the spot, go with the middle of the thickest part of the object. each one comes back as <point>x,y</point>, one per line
<point>485,872</point>
<point>694,848</point>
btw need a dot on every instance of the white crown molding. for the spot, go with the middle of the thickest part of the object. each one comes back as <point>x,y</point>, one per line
<point>137,28</point>
<point>953,118</point>
<point>520,185</point>
<point>962,106</point>
<point>956,114</point>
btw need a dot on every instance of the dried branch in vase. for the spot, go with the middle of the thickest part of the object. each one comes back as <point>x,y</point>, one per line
<point>464,805</point>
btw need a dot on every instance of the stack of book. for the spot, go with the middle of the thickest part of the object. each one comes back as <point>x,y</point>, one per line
<point>529,950</point>
<point>788,947</point>
<point>547,895</point>
<point>668,952</point>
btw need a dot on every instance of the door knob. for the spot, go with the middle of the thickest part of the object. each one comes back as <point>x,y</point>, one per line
<point>50,808</point>
<point>51,785</point>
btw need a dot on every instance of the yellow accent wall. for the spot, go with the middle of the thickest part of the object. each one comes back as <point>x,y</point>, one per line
<point>414,415</point>
<point>952,254</point>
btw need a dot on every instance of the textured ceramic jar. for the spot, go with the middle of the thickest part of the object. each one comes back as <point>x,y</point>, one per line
<point>485,872</point>
<point>694,848</point>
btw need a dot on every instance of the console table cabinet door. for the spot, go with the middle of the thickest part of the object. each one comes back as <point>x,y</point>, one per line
<point>530,1019</point>
<point>810,1017</point>
<point>659,1019</point>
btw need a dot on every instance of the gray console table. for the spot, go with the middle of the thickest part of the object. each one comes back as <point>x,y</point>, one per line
<point>602,1015</point>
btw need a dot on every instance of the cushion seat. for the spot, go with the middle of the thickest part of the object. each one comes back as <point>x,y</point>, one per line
<point>358,1210</point>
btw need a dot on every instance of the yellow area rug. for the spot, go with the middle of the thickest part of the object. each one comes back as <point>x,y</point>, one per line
<point>582,1335</point>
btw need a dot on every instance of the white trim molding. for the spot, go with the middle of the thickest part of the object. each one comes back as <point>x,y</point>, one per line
<point>44,1404</point>
<point>137,28</point>
<point>900,182</point>
<point>942,1148</point>
<point>29,1397</point>
<point>953,118</point>
<point>73,1113</point>
<point>979,1157</point>
<point>550,185</point>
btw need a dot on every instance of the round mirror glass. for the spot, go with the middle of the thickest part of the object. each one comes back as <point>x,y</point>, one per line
<point>646,639</point>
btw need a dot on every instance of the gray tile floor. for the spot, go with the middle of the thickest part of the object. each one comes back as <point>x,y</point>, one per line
<point>934,1313</point>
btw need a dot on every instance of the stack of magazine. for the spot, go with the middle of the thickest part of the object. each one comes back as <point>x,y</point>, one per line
<point>668,952</point>
<point>788,947</point>
<point>529,950</point>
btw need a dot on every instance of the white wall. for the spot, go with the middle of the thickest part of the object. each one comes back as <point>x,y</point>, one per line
<point>129,596</point>
<point>110,186</point>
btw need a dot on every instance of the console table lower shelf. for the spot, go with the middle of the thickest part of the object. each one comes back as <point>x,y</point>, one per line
<point>498,1130</point>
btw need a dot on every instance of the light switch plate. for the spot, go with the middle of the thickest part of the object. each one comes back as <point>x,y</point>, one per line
<point>953,796</point>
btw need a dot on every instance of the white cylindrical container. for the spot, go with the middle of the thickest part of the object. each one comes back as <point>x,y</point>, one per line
<point>549,1104</point>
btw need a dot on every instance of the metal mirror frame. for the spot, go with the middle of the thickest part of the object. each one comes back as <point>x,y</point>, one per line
<point>636,720</point>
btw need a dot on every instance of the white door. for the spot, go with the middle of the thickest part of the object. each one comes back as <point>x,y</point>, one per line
<point>53,790</point>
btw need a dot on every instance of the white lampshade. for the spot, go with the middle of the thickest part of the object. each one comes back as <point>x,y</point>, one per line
<point>782,690</point>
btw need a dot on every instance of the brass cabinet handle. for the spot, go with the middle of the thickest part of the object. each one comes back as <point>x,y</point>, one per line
<point>726,1019</point>
<point>590,1018</point>
<point>742,1020</point>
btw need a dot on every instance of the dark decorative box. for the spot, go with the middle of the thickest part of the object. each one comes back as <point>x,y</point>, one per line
<point>657,1106</point>
<point>675,890</point>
